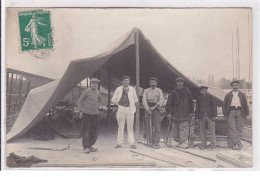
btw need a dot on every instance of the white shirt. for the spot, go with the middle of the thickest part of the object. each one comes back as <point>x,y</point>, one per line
<point>152,95</point>
<point>235,100</point>
<point>131,96</point>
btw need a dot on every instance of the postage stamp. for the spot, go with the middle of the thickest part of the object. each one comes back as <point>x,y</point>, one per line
<point>35,30</point>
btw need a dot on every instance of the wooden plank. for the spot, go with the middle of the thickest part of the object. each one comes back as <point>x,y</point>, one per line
<point>195,154</point>
<point>137,83</point>
<point>163,157</point>
<point>234,161</point>
<point>108,164</point>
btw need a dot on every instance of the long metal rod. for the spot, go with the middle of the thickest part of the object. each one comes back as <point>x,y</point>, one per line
<point>10,94</point>
<point>233,56</point>
<point>109,91</point>
<point>137,83</point>
<point>238,60</point>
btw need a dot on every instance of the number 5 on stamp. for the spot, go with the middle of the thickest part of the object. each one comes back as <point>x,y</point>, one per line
<point>35,30</point>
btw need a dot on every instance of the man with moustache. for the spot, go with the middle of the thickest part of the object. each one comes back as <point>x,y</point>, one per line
<point>179,108</point>
<point>152,101</point>
<point>235,109</point>
<point>126,99</point>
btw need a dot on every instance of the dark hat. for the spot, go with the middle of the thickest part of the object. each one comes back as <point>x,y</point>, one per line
<point>124,77</point>
<point>202,87</point>
<point>94,80</point>
<point>179,79</point>
<point>234,81</point>
<point>153,79</point>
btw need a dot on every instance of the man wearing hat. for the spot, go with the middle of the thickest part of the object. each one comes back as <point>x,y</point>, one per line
<point>88,105</point>
<point>152,101</point>
<point>180,108</point>
<point>206,113</point>
<point>235,109</point>
<point>126,99</point>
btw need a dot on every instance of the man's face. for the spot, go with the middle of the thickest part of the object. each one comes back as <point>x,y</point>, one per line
<point>179,84</point>
<point>153,83</point>
<point>126,82</point>
<point>203,91</point>
<point>94,85</point>
<point>235,86</point>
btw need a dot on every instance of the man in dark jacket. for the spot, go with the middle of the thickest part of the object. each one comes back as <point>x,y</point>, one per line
<point>206,113</point>
<point>179,108</point>
<point>235,110</point>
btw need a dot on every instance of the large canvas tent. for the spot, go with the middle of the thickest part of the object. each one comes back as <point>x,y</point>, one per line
<point>132,54</point>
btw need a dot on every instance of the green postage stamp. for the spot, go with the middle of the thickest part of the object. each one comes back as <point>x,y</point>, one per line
<point>35,30</point>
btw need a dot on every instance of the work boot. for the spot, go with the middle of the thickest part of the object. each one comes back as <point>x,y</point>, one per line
<point>92,149</point>
<point>184,146</point>
<point>133,146</point>
<point>86,150</point>
<point>118,146</point>
<point>175,144</point>
<point>235,147</point>
<point>202,146</point>
<point>212,147</point>
<point>157,146</point>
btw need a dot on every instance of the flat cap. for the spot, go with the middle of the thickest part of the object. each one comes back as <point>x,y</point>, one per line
<point>153,79</point>
<point>94,80</point>
<point>124,77</point>
<point>234,81</point>
<point>179,79</point>
<point>202,87</point>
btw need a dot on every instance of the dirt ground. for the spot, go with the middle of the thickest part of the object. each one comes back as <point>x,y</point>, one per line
<point>109,157</point>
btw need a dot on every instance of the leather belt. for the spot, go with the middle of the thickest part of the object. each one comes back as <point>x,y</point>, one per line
<point>235,107</point>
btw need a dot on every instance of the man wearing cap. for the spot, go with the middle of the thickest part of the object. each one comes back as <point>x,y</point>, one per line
<point>152,101</point>
<point>235,109</point>
<point>179,108</point>
<point>206,113</point>
<point>88,105</point>
<point>126,99</point>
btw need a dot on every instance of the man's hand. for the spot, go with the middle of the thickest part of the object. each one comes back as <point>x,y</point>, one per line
<point>214,118</point>
<point>196,121</point>
<point>149,112</point>
<point>248,117</point>
<point>169,116</point>
<point>80,115</point>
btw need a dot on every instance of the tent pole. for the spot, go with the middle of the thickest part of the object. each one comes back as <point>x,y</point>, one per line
<point>109,93</point>
<point>137,83</point>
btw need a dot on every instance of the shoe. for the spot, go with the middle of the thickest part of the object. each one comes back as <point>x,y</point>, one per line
<point>213,148</point>
<point>92,149</point>
<point>202,146</point>
<point>86,151</point>
<point>175,144</point>
<point>118,146</point>
<point>183,146</point>
<point>156,146</point>
<point>235,147</point>
<point>133,147</point>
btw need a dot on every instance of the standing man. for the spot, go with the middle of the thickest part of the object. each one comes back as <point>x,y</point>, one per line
<point>179,108</point>
<point>126,99</point>
<point>206,113</point>
<point>152,101</point>
<point>88,105</point>
<point>235,110</point>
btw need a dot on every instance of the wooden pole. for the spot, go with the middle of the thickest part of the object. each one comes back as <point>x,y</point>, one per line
<point>109,94</point>
<point>137,84</point>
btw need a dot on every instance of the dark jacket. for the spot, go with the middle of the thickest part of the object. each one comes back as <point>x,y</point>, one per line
<point>243,102</point>
<point>205,103</point>
<point>180,104</point>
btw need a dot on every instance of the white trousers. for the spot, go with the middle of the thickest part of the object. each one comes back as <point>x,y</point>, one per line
<point>123,115</point>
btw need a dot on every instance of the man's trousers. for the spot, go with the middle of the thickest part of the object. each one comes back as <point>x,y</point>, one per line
<point>90,129</point>
<point>211,127</point>
<point>181,131</point>
<point>156,125</point>
<point>235,127</point>
<point>124,116</point>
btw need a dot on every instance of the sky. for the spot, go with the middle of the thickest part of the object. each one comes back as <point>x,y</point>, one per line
<point>196,41</point>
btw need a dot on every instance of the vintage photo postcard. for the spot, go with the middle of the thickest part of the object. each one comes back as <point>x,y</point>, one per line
<point>128,88</point>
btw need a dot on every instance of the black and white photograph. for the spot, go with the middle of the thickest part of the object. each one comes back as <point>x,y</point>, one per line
<point>128,88</point>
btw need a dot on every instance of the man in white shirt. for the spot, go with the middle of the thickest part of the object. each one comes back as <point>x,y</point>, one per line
<point>235,110</point>
<point>152,101</point>
<point>126,99</point>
